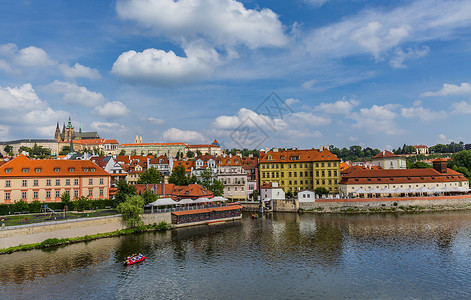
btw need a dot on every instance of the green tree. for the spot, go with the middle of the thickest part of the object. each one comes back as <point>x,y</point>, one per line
<point>124,190</point>
<point>122,152</point>
<point>82,203</point>
<point>8,149</point>
<point>65,198</point>
<point>131,210</point>
<point>321,191</point>
<point>148,196</point>
<point>198,152</point>
<point>65,150</point>
<point>289,195</point>
<point>206,179</point>
<point>217,187</point>
<point>192,179</point>
<point>178,176</point>
<point>151,176</point>
<point>419,165</point>
<point>254,195</point>
<point>190,154</point>
<point>20,206</point>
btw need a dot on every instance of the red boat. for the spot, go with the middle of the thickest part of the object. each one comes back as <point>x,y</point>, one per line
<point>134,259</point>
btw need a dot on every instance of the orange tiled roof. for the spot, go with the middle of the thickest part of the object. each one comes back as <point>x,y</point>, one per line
<point>188,164</point>
<point>156,160</point>
<point>385,154</point>
<point>48,168</point>
<point>399,176</point>
<point>293,156</point>
<point>228,161</point>
<point>155,144</point>
<point>420,146</point>
<point>202,146</point>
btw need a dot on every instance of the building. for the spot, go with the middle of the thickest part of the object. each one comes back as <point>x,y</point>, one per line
<point>271,191</point>
<point>306,196</point>
<point>359,181</point>
<point>206,149</point>
<point>110,165</point>
<point>46,180</point>
<point>233,176</point>
<point>191,191</point>
<point>68,133</point>
<point>297,170</point>
<point>162,164</point>
<point>157,149</point>
<point>189,165</point>
<point>204,162</point>
<point>421,149</point>
<point>52,145</point>
<point>388,161</point>
<point>250,166</point>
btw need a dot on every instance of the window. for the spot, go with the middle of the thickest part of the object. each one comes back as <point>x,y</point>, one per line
<point>7,183</point>
<point>35,182</point>
<point>7,196</point>
<point>7,170</point>
<point>330,173</point>
<point>76,181</point>
<point>57,170</point>
<point>35,195</point>
<point>76,193</point>
<point>317,173</point>
<point>317,165</point>
<point>71,170</point>
<point>322,164</point>
<point>25,170</point>
<point>58,182</point>
<point>48,182</point>
<point>90,181</point>
<point>335,173</point>
<point>23,195</point>
<point>101,192</point>
<point>235,188</point>
<point>37,170</point>
<point>58,194</point>
<point>92,169</point>
<point>67,182</point>
<point>295,174</point>
<point>328,164</point>
<point>90,192</point>
<point>48,194</point>
<point>85,169</point>
<point>24,182</point>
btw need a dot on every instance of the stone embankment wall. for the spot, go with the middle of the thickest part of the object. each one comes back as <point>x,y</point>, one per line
<point>287,205</point>
<point>388,204</point>
<point>27,234</point>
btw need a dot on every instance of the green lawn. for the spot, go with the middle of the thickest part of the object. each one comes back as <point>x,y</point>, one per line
<point>13,220</point>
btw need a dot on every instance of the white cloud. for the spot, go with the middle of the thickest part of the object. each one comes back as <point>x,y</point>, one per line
<point>397,61</point>
<point>422,113</point>
<point>343,107</point>
<point>79,71</point>
<point>291,101</point>
<point>166,68</point>
<point>73,93</point>
<point>450,90</point>
<point>377,119</point>
<point>461,108</point>
<point>316,3</point>
<point>309,84</point>
<point>112,109</point>
<point>156,121</point>
<point>108,127</point>
<point>220,22</point>
<point>249,118</point>
<point>309,119</point>
<point>33,57</point>
<point>443,139</point>
<point>177,135</point>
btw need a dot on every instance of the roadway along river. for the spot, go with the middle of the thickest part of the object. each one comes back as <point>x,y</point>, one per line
<point>281,256</point>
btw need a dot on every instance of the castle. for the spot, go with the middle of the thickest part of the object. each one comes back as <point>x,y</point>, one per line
<point>68,133</point>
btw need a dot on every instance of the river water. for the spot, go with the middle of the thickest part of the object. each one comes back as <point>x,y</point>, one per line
<point>280,256</point>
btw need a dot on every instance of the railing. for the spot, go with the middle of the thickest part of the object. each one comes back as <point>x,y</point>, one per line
<point>181,208</point>
<point>52,222</point>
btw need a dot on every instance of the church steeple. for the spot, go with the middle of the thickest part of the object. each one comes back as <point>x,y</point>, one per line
<point>57,135</point>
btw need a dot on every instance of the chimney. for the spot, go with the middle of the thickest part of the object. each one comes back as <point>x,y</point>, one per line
<point>267,149</point>
<point>440,165</point>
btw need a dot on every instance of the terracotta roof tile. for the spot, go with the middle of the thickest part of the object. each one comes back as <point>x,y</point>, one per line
<point>293,156</point>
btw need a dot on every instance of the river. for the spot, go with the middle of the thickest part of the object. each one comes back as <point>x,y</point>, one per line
<point>280,256</point>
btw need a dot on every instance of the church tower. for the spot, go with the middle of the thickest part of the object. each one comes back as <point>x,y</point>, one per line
<point>57,136</point>
<point>69,132</point>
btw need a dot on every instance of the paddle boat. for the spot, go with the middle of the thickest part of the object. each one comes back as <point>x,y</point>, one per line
<point>134,259</point>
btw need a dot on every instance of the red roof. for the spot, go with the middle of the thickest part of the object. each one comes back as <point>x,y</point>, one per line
<point>385,154</point>
<point>155,144</point>
<point>206,210</point>
<point>23,166</point>
<point>188,164</point>
<point>175,191</point>
<point>294,156</point>
<point>158,160</point>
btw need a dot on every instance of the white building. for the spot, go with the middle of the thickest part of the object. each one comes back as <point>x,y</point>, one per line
<point>389,161</point>
<point>271,191</point>
<point>306,196</point>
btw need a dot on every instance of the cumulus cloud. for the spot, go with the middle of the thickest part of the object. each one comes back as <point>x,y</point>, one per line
<point>112,109</point>
<point>376,119</point>
<point>177,135</point>
<point>75,94</point>
<point>79,71</point>
<point>249,118</point>
<point>308,119</point>
<point>33,57</point>
<point>450,90</point>
<point>443,139</point>
<point>400,56</point>
<point>343,107</point>
<point>221,22</point>
<point>291,101</point>
<point>166,68</point>
<point>108,127</point>
<point>422,113</point>
<point>461,107</point>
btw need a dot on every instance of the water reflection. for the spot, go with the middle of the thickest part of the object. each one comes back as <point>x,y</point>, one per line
<point>279,255</point>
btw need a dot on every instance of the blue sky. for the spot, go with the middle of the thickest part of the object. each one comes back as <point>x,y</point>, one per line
<point>342,72</point>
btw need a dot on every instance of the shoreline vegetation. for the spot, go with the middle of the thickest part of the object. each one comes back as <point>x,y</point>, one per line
<point>394,208</point>
<point>54,242</point>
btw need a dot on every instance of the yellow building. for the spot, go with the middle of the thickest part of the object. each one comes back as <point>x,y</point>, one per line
<point>296,170</point>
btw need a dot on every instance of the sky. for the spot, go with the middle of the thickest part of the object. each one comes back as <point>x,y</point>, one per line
<point>251,74</point>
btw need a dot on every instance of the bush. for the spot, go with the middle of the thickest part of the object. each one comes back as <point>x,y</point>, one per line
<point>20,206</point>
<point>52,242</point>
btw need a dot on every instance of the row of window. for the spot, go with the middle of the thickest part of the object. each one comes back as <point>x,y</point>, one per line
<point>24,182</point>
<point>301,174</point>
<point>48,194</point>
<point>235,188</point>
<point>318,182</point>
<point>57,170</point>
<point>300,165</point>
<point>302,188</point>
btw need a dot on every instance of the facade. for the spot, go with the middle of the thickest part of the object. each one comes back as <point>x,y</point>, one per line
<point>250,166</point>
<point>271,191</point>
<point>233,176</point>
<point>107,146</point>
<point>204,162</point>
<point>157,149</point>
<point>110,165</point>
<point>397,181</point>
<point>306,196</point>
<point>162,164</point>
<point>421,149</point>
<point>17,144</point>
<point>389,161</point>
<point>297,170</point>
<point>46,180</point>
<point>188,164</point>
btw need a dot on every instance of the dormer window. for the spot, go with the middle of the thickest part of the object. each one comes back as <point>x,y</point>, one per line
<point>92,169</point>
<point>57,170</point>
<point>37,170</point>
<point>8,170</point>
<point>85,169</point>
<point>25,170</point>
<point>71,170</point>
